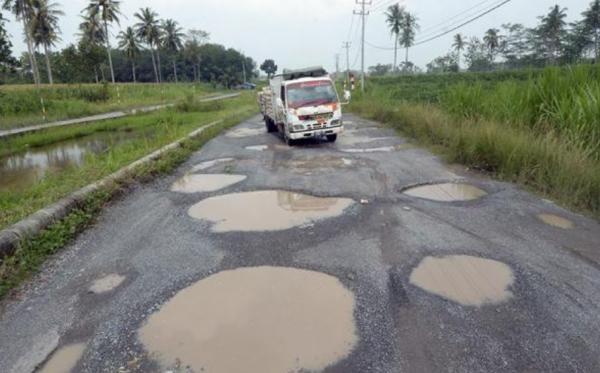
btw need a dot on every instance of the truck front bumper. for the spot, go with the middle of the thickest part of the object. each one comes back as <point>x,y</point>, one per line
<point>316,133</point>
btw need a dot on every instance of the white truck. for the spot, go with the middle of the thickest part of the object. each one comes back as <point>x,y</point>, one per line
<point>302,104</point>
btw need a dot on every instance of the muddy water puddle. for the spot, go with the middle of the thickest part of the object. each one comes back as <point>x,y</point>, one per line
<point>261,319</point>
<point>556,221</point>
<point>245,132</point>
<point>205,183</point>
<point>447,192</point>
<point>64,359</point>
<point>107,283</point>
<point>381,149</point>
<point>25,169</point>
<point>209,164</point>
<point>272,147</point>
<point>467,280</point>
<point>272,210</point>
<point>319,162</point>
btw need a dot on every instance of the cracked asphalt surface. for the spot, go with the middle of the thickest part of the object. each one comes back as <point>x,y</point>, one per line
<point>551,324</point>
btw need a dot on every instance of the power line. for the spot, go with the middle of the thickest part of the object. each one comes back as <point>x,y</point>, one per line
<point>363,13</point>
<point>384,4</point>
<point>428,29</point>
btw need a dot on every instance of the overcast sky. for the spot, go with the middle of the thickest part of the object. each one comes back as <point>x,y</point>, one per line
<point>310,32</point>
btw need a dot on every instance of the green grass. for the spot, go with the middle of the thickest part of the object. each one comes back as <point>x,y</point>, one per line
<point>154,131</point>
<point>556,162</point>
<point>22,105</point>
<point>32,253</point>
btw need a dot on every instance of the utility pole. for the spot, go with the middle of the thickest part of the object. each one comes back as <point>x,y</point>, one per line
<point>337,66</point>
<point>346,46</point>
<point>244,70</point>
<point>363,13</point>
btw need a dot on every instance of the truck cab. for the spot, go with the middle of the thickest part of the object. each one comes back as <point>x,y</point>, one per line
<point>303,104</point>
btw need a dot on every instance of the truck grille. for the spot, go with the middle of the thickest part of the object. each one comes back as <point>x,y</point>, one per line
<point>325,116</point>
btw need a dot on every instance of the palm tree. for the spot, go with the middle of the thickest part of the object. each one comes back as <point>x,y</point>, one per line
<point>172,40</point>
<point>410,27</point>
<point>492,41</point>
<point>92,36</point>
<point>108,11</point>
<point>23,11</point>
<point>45,30</point>
<point>553,31</point>
<point>395,15</point>
<point>128,42</point>
<point>148,30</point>
<point>591,23</point>
<point>459,45</point>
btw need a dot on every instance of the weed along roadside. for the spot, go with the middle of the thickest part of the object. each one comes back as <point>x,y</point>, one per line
<point>557,158</point>
<point>30,242</point>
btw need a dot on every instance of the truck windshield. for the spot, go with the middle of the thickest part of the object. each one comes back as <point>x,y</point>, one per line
<point>313,93</point>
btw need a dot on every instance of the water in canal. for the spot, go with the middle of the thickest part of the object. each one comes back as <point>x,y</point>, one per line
<point>22,170</point>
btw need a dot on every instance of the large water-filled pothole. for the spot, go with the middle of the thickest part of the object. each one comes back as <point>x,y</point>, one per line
<point>556,221</point>
<point>205,183</point>
<point>270,210</point>
<point>447,192</point>
<point>272,147</point>
<point>468,280</point>
<point>262,319</point>
<point>245,132</point>
<point>64,359</point>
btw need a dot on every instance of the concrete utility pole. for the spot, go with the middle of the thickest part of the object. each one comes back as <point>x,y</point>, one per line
<point>244,70</point>
<point>346,46</point>
<point>363,13</point>
<point>337,66</point>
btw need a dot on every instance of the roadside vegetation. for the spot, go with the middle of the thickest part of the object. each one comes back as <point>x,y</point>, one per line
<point>145,133</point>
<point>22,105</point>
<point>542,131</point>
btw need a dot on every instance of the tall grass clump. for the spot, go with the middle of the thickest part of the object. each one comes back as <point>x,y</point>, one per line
<point>565,101</point>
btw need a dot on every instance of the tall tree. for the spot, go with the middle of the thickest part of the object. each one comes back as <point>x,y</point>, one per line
<point>148,30</point>
<point>129,43</point>
<point>458,46</point>
<point>492,41</point>
<point>45,29</point>
<point>410,26</point>
<point>193,41</point>
<point>394,18</point>
<point>552,32</point>
<point>591,24</point>
<point>269,68</point>
<point>23,11</point>
<point>172,41</point>
<point>108,11</point>
<point>92,37</point>
<point>6,59</point>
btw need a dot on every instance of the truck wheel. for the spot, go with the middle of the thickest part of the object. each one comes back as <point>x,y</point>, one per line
<point>271,127</point>
<point>288,141</point>
<point>331,138</point>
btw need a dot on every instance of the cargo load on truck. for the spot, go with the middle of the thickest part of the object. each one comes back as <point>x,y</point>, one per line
<point>302,104</point>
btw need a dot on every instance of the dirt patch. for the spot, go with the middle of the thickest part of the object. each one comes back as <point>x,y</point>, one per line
<point>205,183</point>
<point>556,221</point>
<point>107,283</point>
<point>263,319</point>
<point>448,192</point>
<point>467,280</point>
<point>64,359</point>
<point>272,210</point>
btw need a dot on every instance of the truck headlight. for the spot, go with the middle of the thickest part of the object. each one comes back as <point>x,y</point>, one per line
<point>298,127</point>
<point>336,122</point>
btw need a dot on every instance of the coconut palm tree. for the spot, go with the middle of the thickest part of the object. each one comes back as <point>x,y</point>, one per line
<point>23,11</point>
<point>129,43</point>
<point>492,41</point>
<point>394,17</point>
<point>410,26</point>
<point>172,40</point>
<point>92,37</point>
<point>108,11</point>
<point>45,30</point>
<point>591,23</point>
<point>148,30</point>
<point>459,45</point>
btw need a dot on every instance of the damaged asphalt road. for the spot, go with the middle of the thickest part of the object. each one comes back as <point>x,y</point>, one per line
<point>356,271</point>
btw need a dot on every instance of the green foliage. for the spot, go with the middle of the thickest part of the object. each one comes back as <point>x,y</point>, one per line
<point>191,104</point>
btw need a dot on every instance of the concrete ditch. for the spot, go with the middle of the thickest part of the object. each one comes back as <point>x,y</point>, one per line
<point>11,237</point>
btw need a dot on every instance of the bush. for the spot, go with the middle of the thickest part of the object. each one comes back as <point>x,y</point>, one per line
<point>189,104</point>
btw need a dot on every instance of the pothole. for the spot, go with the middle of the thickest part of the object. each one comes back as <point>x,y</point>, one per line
<point>245,132</point>
<point>262,148</point>
<point>319,162</point>
<point>448,192</point>
<point>107,283</point>
<point>468,280</point>
<point>556,221</point>
<point>350,139</point>
<point>261,319</point>
<point>382,149</point>
<point>205,183</point>
<point>64,359</point>
<point>208,164</point>
<point>271,210</point>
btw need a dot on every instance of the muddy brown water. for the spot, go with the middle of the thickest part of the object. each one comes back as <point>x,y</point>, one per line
<point>556,221</point>
<point>64,359</point>
<point>261,319</point>
<point>467,280</point>
<point>107,283</point>
<point>205,183</point>
<point>270,210</point>
<point>25,169</point>
<point>447,192</point>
